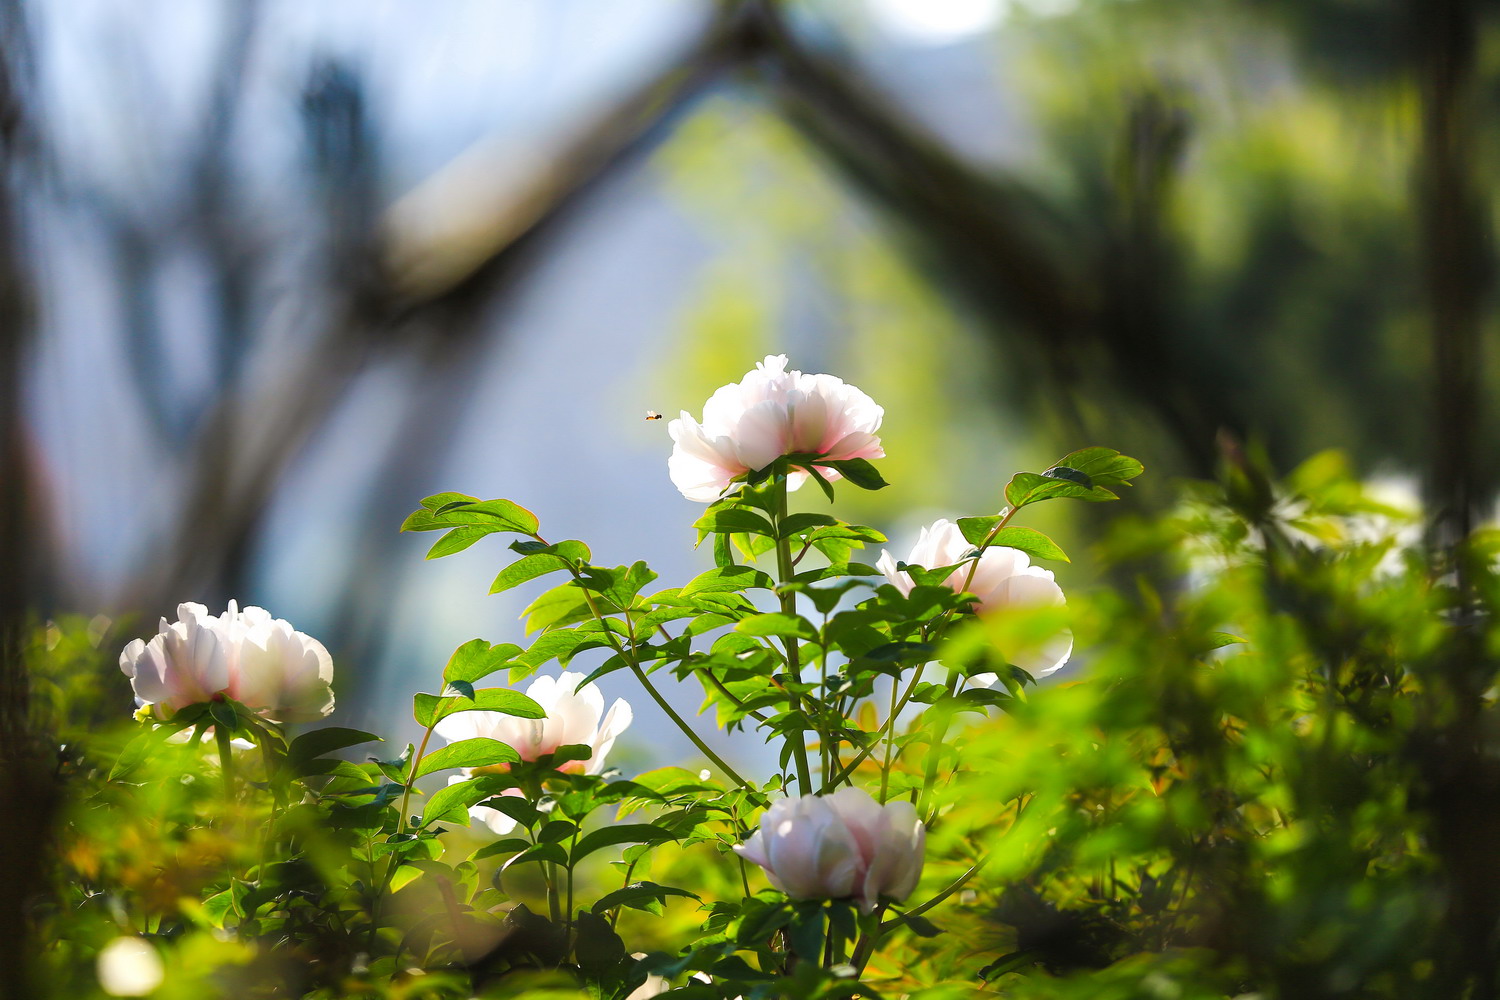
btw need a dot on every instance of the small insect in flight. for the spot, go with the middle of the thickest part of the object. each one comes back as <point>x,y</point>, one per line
<point>652,415</point>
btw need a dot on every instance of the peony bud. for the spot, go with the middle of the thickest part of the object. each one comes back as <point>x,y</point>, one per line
<point>840,846</point>
<point>572,717</point>
<point>262,662</point>
<point>769,413</point>
<point>1003,579</point>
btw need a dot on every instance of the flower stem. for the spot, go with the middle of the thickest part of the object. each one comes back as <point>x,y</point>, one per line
<point>954,681</point>
<point>687,730</point>
<point>890,742</point>
<point>952,887</point>
<point>793,651</point>
<point>869,937</point>
<point>411,777</point>
<point>884,731</point>
<point>630,657</point>
<point>226,760</point>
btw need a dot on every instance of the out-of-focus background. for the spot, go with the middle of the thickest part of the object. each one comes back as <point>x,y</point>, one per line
<point>270,272</point>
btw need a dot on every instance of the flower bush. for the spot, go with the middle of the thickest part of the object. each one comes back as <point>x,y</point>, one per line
<point>1247,785</point>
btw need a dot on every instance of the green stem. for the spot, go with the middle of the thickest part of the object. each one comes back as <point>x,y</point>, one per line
<point>226,760</point>
<point>719,686</point>
<point>793,651</point>
<point>568,915</point>
<point>953,681</point>
<point>953,887</point>
<point>880,733</point>
<point>391,863</point>
<point>929,781</point>
<point>687,730</point>
<point>554,905</point>
<point>869,937</point>
<point>630,657</point>
<point>411,776</point>
<point>890,743</point>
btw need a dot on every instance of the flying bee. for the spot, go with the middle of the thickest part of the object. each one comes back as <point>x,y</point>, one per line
<point>652,415</point>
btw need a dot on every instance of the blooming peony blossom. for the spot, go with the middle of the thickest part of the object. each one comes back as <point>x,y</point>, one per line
<point>1004,578</point>
<point>572,717</point>
<point>259,661</point>
<point>840,846</point>
<point>769,413</point>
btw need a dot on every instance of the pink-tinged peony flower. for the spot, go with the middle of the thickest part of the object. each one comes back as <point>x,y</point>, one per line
<point>1004,579</point>
<point>840,846</point>
<point>769,413</point>
<point>262,662</point>
<point>572,717</point>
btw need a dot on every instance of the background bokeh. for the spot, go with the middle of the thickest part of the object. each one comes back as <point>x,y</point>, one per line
<point>270,272</point>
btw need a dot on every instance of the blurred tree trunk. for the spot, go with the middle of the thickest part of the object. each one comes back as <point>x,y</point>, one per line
<point>1463,778</point>
<point>27,767</point>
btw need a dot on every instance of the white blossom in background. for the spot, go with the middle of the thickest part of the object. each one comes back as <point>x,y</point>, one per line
<point>1004,579</point>
<point>572,717</point>
<point>840,846</point>
<point>262,662</point>
<point>769,413</point>
<point>129,967</point>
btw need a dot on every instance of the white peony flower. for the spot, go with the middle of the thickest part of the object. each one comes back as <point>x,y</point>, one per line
<point>1003,579</point>
<point>259,661</point>
<point>572,717</point>
<point>840,846</point>
<point>769,413</point>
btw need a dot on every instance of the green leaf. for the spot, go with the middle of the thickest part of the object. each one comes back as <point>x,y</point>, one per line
<point>516,808</point>
<point>1028,487</point>
<point>499,515</point>
<point>571,549</point>
<point>441,501</point>
<point>836,570</point>
<point>920,925</point>
<point>821,480</point>
<point>423,519</point>
<point>1031,542</point>
<point>727,579</point>
<point>640,896</point>
<point>727,520</point>
<point>778,624</point>
<point>457,540</point>
<point>618,585</point>
<point>562,605</point>
<point>977,529</point>
<point>478,752</point>
<point>562,645</point>
<point>477,659</point>
<point>596,945</point>
<point>527,568</point>
<point>320,741</point>
<point>1218,640</point>
<point>1071,475</point>
<point>624,833</point>
<point>805,932</point>
<point>452,802</point>
<point>1104,466</point>
<point>859,472</point>
<point>138,750</point>
<point>851,532</point>
<point>509,845</point>
<point>795,523</point>
<point>429,708</point>
<point>539,852</point>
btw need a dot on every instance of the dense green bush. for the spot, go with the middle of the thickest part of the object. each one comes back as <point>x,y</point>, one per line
<point>1270,772</point>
